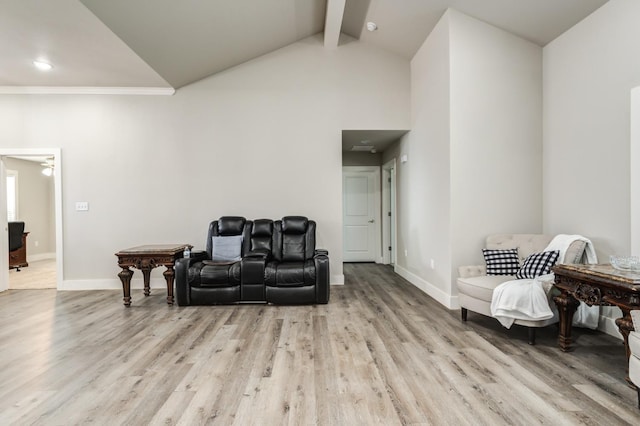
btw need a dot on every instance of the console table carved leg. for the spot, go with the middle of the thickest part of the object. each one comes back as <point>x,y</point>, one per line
<point>567,306</point>
<point>125,278</point>
<point>169,275</point>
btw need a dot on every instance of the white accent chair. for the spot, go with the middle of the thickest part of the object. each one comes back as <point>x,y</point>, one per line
<point>475,287</point>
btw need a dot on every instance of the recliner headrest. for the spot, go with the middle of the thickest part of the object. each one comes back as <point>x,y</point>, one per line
<point>262,228</point>
<point>231,225</point>
<point>294,224</point>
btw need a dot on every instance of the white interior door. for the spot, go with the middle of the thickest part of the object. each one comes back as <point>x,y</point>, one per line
<point>361,205</point>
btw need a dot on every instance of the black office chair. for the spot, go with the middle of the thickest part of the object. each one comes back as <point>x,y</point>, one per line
<point>16,229</point>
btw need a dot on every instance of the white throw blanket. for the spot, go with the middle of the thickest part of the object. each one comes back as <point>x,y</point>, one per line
<point>523,299</point>
<point>526,299</point>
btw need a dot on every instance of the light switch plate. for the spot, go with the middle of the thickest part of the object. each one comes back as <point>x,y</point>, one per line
<point>82,206</point>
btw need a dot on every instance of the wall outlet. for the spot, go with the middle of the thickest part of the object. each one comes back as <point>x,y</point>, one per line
<point>82,206</point>
<point>36,243</point>
<point>432,264</point>
<point>406,253</point>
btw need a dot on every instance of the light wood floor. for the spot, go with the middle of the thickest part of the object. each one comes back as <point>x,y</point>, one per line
<point>38,275</point>
<point>381,352</point>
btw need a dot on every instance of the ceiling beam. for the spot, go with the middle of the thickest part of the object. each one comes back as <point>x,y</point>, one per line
<point>333,23</point>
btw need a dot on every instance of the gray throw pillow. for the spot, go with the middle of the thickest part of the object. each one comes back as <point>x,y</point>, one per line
<point>226,249</point>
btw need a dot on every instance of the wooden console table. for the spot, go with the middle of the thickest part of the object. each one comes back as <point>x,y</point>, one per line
<point>595,285</point>
<point>145,258</point>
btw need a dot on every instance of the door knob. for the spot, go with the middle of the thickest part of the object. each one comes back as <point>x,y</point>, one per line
<point>371,221</point>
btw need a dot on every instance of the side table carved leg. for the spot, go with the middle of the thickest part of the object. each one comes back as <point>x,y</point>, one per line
<point>169,275</point>
<point>146,273</point>
<point>567,306</point>
<point>125,277</point>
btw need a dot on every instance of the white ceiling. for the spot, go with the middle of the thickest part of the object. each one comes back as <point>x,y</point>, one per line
<point>163,45</point>
<point>169,43</point>
<point>84,51</point>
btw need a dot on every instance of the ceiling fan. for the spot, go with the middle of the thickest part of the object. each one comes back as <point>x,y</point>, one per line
<point>48,166</point>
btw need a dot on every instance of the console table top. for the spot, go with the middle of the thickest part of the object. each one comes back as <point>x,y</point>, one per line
<point>601,272</point>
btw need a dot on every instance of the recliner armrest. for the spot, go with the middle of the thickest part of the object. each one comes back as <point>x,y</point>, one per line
<point>321,252</point>
<point>198,256</point>
<point>258,253</point>
<point>321,262</point>
<point>472,271</point>
<point>181,280</point>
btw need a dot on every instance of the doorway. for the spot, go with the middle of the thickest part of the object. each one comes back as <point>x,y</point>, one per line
<point>52,267</point>
<point>361,213</point>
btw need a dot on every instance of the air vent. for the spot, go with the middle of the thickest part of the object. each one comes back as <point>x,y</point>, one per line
<point>367,148</point>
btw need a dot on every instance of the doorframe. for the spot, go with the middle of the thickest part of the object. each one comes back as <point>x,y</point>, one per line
<point>56,153</point>
<point>389,227</point>
<point>375,170</point>
<point>634,159</point>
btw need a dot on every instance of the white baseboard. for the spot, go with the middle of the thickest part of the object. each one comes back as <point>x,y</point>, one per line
<point>110,284</point>
<point>40,256</point>
<point>337,279</point>
<point>451,302</point>
<point>608,325</point>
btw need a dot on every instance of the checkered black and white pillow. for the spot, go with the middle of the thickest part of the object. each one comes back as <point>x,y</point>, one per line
<point>501,262</point>
<point>538,264</point>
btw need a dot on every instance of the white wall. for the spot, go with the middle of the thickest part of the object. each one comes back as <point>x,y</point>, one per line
<point>474,151</point>
<point>589,72</point>
<point>588,75</point>
<point>496,136</point>
<point>260,140</point>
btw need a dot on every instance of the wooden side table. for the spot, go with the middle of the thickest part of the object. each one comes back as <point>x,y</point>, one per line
<point>145,258</point>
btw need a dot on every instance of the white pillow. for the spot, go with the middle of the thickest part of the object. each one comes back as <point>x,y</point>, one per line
<point>226,249</point>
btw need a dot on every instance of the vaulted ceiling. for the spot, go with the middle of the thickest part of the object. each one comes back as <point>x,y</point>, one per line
<point>169,43</point>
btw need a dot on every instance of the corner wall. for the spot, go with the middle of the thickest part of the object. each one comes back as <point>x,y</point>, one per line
<point>474,151</point>
<point>423,196</point>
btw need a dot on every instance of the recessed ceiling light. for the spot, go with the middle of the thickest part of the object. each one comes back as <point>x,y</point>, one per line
<point>371,26</point>
<point>42,66</point>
